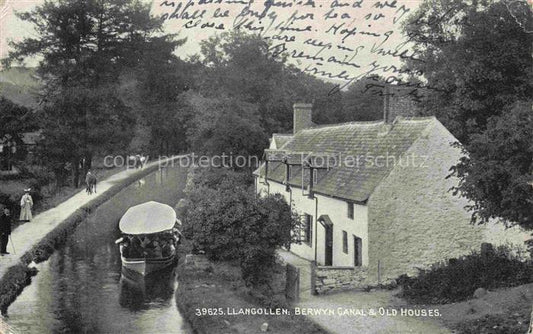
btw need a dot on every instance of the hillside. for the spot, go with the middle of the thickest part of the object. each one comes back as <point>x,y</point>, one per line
<point>20,85</point>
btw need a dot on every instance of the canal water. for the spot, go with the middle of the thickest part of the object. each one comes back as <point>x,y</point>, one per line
<point>80,289</point>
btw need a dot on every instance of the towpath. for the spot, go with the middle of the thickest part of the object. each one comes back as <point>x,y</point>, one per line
<point>340,322</point>
<point>25,236</point>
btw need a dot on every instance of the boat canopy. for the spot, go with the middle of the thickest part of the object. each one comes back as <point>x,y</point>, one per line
<point>147,218</point>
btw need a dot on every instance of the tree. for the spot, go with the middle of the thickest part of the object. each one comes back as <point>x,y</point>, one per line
<point>268,82</point>
<point>476,59</point>
<point>15,120</point>
<point>97,122</point>
<point>496,172</point>
<point>225,125</point>
<point>84,46</point>
<point>163,77</point>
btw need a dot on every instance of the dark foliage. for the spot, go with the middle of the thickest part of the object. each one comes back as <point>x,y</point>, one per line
<point>228,222</point>
<point>458,279</point>
<point>476,59</point>
<point>496,175</point>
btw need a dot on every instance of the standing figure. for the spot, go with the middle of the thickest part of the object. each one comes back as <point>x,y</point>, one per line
<point>90,181</point>
<point>5,231</point>
<point>26,204</point>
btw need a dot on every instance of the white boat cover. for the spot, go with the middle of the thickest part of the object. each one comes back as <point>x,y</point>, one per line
<point>147,218</point>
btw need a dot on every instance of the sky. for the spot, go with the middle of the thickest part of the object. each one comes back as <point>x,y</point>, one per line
<point>337,40</point>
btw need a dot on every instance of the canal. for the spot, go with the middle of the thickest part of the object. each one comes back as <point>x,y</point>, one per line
<point>80,288</point>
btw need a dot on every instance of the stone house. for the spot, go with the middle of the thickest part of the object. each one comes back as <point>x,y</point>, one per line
<point>373,197</point>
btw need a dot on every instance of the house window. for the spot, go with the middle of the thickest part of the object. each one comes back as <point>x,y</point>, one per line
<point>307,229</point>
<point>315,176</point>
<point>350,210</point>
<point>345,242</point>
<point>357,251</point>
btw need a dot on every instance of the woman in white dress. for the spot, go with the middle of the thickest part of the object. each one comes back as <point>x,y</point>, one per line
<point>26,203</point>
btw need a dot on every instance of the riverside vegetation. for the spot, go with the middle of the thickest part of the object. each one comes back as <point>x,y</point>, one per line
<point>457,280</point>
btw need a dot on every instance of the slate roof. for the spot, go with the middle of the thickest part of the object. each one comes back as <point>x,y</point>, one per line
<point>281,139</point>
<point>349,180</point>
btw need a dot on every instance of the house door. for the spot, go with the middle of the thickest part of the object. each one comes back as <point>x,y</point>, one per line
<point>329,245</point>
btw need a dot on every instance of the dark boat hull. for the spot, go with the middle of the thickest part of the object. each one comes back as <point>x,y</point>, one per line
<point>145,267</point>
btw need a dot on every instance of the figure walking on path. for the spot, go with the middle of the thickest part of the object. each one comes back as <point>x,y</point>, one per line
<point>26,204</point>
<point>90,181</point>
<point>5,231</point>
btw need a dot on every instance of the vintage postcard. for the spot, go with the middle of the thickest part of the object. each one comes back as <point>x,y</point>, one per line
<point>266,166</point>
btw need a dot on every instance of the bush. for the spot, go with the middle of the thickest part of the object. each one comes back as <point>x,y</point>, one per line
<point>457,279</point>
<point>228,222</point>
<point>7,201</point>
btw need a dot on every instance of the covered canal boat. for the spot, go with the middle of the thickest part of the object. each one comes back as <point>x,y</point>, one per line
<point>150,237</point>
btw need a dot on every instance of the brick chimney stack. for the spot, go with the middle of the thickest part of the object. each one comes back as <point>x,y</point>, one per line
<point>397,102</point>
<point>302,116</point>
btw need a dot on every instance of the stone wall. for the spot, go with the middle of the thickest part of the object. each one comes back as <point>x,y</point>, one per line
<point>328,279</point>
<point>414,220</point>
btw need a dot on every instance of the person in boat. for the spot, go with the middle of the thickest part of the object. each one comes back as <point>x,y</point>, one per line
<point>168,248</point>
<point>153,250</point>
<point>145,242</point>
<point>157,251</point>
<point>125,247</point>
<point>135,248</point>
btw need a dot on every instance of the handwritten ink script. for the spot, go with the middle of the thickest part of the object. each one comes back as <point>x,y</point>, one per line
<point>338,40</point>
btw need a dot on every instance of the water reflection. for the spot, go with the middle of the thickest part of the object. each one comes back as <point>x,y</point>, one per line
<point>142,292</point>
<point>81,289</point>
<point>161,174</point>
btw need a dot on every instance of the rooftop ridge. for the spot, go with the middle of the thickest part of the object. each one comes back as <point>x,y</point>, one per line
<point>377,122</point>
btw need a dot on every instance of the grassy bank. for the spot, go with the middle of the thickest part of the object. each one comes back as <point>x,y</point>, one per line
<point>19,276</point>
<point>502,311</point>
<point>221,287</point>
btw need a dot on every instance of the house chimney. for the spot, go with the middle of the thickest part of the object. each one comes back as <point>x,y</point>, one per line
<point>302,116</point>
<point>397,101</point>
